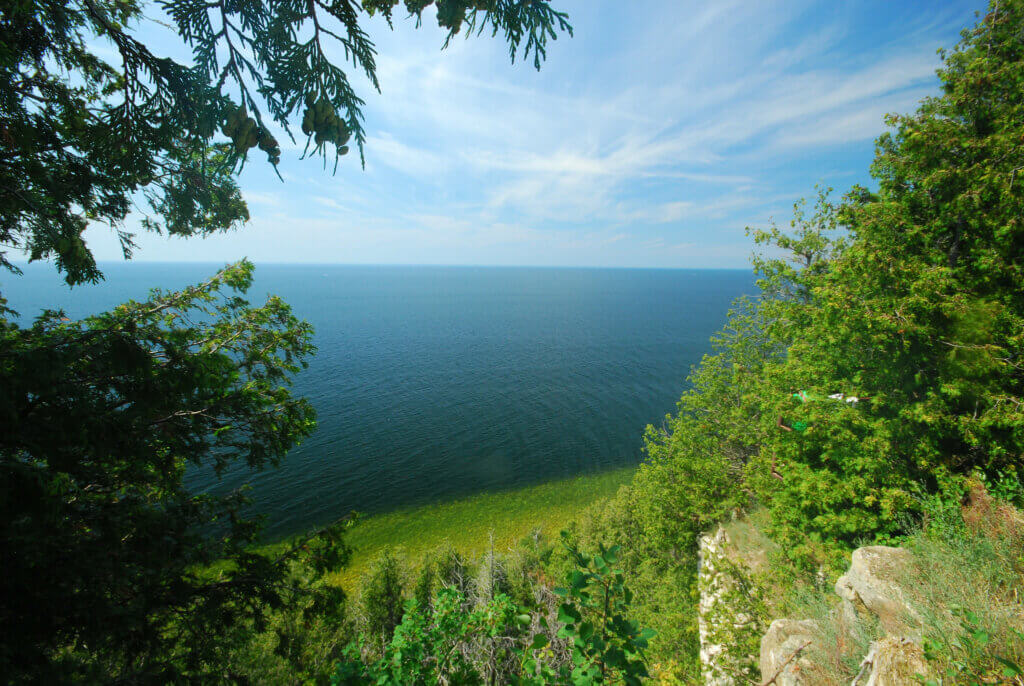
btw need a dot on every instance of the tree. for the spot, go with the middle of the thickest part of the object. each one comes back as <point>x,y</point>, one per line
<point>383,598</point>
<point>104,553</point>
<point>908,297</point>
<point>113,569</point>
<point>83,139</point>
<point>921,310</point>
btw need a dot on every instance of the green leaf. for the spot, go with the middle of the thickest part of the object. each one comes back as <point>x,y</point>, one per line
<point>1009,668</point>
<point>567,614</point>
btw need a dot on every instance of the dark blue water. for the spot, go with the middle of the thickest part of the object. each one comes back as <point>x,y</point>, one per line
<point>435,382</point>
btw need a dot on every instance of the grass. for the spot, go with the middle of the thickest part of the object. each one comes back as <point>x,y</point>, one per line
<point>967,583</point>
<point>467,524</point>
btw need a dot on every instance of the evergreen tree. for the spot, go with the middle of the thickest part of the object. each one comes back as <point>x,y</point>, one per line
<point>383,598</point>
<point>921,311</point>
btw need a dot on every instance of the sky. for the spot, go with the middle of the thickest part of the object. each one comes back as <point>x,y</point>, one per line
<point>651,138</point>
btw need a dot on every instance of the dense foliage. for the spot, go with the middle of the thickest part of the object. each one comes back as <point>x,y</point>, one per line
<point>480,627</point>
<point>921,312</point>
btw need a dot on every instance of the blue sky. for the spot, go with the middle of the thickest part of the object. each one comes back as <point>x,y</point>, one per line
<point>649,139</point>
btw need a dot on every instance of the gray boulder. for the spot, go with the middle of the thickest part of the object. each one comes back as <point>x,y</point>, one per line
<point>893,661</point>
<point>870,587</point>
<point>783,648</point>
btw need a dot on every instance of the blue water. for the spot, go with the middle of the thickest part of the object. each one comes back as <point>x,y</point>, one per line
<point>436,382</point>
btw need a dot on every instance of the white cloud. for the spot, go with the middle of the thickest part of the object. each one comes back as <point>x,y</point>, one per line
<point>328,202</point>
<point>254,197</point>
<point>652,137</point>
<point>409,160</point>
<point>552,157</point>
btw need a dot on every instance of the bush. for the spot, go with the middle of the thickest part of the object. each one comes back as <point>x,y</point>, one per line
<point>484,638</point>
<point>382,599</point>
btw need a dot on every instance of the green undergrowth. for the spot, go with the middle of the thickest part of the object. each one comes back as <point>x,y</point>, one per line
<point>467,524</point>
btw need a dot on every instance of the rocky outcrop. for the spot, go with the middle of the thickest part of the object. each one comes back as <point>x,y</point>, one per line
<point>892,661</point>
<point>728,614</point>
<point>783,651</point>
<point>712,592</point>
<point>870,588</point>
<point>870,592</point>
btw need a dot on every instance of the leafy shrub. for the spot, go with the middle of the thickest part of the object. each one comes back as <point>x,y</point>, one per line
<point>587,638</point>
<point>606,646</point>
<point>442,646</point>
<point>661,572</point>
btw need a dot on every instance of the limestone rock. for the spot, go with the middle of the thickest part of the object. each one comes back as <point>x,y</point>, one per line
<point>728,614</point>
<point>893,661</point>
<point>710,550</point>
<point>870,589</point>
<point>712,608</point>
<point>870,586</point>
<point>783,650</point>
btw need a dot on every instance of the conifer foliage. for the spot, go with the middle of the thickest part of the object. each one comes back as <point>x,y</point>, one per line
<point>920,312</point>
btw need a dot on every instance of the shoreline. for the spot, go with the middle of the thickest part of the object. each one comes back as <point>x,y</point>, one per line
<point>466,523</point>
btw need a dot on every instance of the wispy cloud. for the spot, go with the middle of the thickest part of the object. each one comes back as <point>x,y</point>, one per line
<point>652,137</point>
<point>579,159</point>
<point>257,198</point>
<point>416,162</point>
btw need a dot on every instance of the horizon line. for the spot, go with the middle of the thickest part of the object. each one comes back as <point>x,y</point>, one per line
<point>37,263</point>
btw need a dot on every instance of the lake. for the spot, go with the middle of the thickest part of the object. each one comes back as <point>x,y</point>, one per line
<point>436,382</point>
